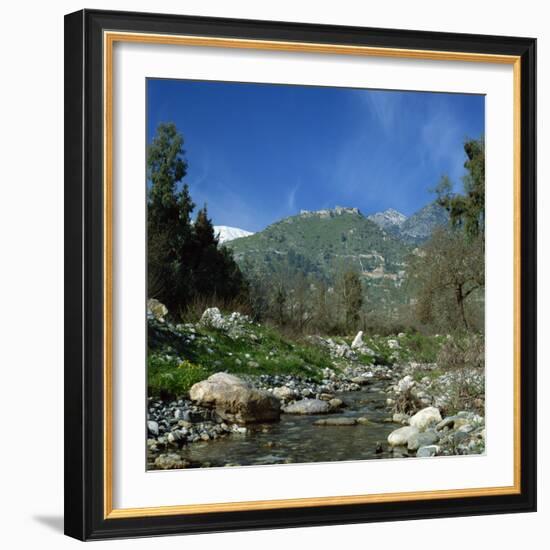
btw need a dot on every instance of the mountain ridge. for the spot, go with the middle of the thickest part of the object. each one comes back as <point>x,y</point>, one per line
<point>323,244</point>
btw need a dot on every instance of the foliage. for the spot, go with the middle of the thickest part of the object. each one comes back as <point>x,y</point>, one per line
<point>467,210</point>
<point>352,296</point>
<point>321,246</point>
<point>257,350</point>
<point>463,351</point>
<point>421,348</point>
<point>184,260</point>
<point>449,276</point>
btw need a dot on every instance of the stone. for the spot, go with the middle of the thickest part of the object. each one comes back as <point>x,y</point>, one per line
<point>212,318</point>
<point>326,396</point>
<point>428,451</point>
<point>358,340</point>
<point>156,309</point>
<point>425,418</point>
<point>405,384</point>
<point>170,461</point>
<point>175,436</point>
<point>400,418</point>
<point>401,436</point>
<point>335,421</point>
<point>363,421</point>
<point>360,380</point>
<point>153,427</point>
<point>284,392</point>
<point>422,440</point>
<point>308,406</point>
<point>336,403</point>
<point>235,400</point>
<point>393,344</point>
<point>467,428</point>
<point>459,437</point>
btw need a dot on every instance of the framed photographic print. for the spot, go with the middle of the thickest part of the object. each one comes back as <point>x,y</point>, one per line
<point>300,274</point>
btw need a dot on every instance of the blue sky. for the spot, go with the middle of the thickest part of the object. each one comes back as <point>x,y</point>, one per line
<point>261,152</point>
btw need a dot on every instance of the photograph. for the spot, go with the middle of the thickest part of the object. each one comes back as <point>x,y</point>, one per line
<point>315,274</point>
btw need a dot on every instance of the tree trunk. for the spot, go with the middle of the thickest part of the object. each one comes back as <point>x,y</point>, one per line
<point>460,302</point>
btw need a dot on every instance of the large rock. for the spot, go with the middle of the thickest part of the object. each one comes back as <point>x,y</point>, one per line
<point>284,392</point>
<point>236,400</point>
<point>401,436</point>
<point>153,427</point>
<point>170,461</point>
<point>428,451</point>
<point>156,309</point>
<point>423,439</point>
<point>212,318</point>
<point>308,406</point>
<point>425,418</point>
<point>405,384</point>
<point>358,340</point>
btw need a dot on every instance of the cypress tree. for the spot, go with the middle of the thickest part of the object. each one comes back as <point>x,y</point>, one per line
<point>184,260</point>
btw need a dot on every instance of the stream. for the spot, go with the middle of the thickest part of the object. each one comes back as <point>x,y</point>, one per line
<point>295,439</point>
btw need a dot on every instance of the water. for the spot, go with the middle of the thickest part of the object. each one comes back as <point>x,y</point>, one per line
<point>295,439</point>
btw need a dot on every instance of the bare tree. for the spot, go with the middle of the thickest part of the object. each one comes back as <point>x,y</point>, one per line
<point>449,269</point>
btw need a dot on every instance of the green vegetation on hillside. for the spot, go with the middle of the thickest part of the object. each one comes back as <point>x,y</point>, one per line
<point>322,244</point>
<point>181,355</point>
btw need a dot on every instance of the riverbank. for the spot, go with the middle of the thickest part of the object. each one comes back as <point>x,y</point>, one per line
<point>325,398</point>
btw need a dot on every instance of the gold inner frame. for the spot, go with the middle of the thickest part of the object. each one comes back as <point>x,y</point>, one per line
<point>109,39</point>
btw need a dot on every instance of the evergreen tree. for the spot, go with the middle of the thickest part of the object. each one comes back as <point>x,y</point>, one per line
<point>184,260</point>
<point>354,298</point>
<point>168,218</point>
<point>467,210</point>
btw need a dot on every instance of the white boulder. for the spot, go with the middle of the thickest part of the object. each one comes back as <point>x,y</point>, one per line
<point>156,309</point>
<point>405,384</point>
<point>401,436</point>
<point>425,418</point>
<point>358,340</point>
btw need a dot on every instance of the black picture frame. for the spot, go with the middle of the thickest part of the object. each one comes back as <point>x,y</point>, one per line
<point>84,282</point>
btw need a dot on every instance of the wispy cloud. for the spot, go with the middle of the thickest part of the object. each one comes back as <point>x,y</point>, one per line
<point>383,107</point>
<point>291,199</point>
<point>441,139</point>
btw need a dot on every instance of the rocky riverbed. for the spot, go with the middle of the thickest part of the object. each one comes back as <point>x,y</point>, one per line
<point>349,415</point>
<point>370,403</point>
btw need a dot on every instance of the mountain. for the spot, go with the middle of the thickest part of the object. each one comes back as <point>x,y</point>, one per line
<point>414,229</point>
<point>389,219</point>
<point>226,233</point>
<point>322,244</point>
<point>418,227</point>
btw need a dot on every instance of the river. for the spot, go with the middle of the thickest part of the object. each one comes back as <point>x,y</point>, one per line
<point>295,438</point>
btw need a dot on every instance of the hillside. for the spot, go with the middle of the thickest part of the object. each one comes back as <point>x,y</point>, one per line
<point>322,244</point>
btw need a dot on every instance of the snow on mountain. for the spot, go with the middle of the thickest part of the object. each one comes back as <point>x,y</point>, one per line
<point>226,233</point>
<point>388,219</point>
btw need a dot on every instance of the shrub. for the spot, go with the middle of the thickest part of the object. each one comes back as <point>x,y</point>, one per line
<point>423,349</point>
<point>167,376</point>
<point>461,351</point>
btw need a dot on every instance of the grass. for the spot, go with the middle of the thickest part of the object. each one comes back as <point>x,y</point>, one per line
<point>168,376</point>
<point>175,362</point>
<point>179,356</point>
